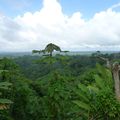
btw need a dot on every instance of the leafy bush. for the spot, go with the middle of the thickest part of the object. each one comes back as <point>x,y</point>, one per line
<point>98,101</point>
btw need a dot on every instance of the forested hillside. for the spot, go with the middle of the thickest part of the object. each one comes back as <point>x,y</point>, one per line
<point>59,87</point>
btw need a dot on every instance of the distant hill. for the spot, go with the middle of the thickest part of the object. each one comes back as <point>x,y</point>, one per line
<point>17,54</point>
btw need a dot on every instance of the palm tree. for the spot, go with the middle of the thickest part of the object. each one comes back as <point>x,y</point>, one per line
<point>51,47</point>
<point>48,49</point>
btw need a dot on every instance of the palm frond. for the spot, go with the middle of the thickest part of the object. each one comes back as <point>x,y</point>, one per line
<point>82,105</point>
<point>35,51</point>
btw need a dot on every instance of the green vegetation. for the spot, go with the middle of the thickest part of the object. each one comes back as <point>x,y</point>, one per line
<point>58,87</point>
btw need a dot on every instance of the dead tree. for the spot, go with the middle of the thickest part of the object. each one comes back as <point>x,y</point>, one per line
<point>115,71</point>
<point>114,68</point>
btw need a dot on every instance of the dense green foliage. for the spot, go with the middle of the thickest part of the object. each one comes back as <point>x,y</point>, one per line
<point>98,99</point>
<point>57,88</point>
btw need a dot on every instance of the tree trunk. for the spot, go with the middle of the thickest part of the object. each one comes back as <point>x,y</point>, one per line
<point>116,80</point>
<point>50,54</point>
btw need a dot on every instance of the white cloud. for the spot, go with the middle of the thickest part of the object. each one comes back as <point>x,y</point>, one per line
<point>50,24</point>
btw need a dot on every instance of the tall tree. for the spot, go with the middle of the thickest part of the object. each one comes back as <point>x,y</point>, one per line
<point>51,47</point>
<point>48,49</point>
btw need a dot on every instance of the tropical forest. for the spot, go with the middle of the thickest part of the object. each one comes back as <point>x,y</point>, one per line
<point>59,59</point>
<point>51,84</point>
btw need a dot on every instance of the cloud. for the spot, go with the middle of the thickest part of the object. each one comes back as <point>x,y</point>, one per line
<point>50,24</point>
<point>115,6</point>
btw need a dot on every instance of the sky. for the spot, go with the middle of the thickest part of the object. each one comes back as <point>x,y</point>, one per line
<point>75,25</point>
